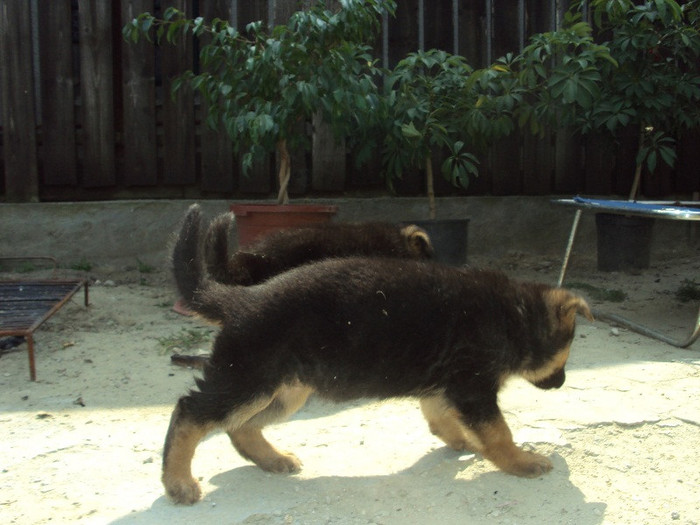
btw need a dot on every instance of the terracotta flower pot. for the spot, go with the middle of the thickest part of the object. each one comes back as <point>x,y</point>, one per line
<point>255,220</point>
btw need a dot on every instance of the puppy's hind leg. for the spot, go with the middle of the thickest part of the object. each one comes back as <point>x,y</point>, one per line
<point>184,434</point>
<point>249,440</point>
<point>444,422</point>
<point>192,419</point>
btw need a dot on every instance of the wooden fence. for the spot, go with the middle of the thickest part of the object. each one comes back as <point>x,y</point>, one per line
<point>85,115</point>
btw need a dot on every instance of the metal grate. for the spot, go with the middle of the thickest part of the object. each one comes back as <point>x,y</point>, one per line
<point>25,305</point>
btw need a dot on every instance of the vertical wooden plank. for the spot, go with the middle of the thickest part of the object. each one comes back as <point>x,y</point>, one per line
<point>279,12</point>
<point>216,148</point>
<point>505,166</point>
<point>568,172</point>
<point>328,158</point>
<point>140,162</point>
<point>403,31</point>
<point>472,41</point>
<point>58,151</point>
<point>17,92</point>
<point>539,152</point>
<point>251,11</point>
<point>96,116</point>
<point>567,146</point>
<point>439,30</point>
<point>658,185</point>
<point>625,161</point>
<point>179,167</point>
<point>598,165</point>
<point>385,40</point>
<point>328,155</point>
<point>259,178</point>
<point>505,37</point>
<point>538,163</point>
<point>687,177</point>
<point>506,155</point>
<point>96,81</point>
<point>488,32</point>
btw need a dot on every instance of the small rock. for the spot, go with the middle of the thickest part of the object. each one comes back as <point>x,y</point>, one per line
<point>675,515</point>
<point>615,332</point>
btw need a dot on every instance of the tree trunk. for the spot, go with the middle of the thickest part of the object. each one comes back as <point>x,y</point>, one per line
<point>284,173</point>
<point>638,168</point>
<point>430,186</point>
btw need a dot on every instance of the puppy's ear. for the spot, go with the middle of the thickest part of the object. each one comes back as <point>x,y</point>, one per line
<point>565,305</point>
<point>580,306</point>
<point>418,241</point>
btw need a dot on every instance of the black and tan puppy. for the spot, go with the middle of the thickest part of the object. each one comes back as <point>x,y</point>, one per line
<point>286,249</point>
<point>357,327</point>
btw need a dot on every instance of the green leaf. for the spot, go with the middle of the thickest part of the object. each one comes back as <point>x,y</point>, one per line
<point>651,161</point>
<point>409,131</point>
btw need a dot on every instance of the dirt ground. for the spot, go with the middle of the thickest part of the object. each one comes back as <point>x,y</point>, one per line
<point>83,443</point>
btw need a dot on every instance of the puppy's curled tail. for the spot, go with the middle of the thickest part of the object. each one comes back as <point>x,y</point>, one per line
<point>188,269</point>
<point>216,252</point>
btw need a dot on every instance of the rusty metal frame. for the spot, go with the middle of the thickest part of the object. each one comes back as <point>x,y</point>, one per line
<point>36,309</point>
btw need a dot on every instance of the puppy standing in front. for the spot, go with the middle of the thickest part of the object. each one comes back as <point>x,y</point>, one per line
<point>356,327</point>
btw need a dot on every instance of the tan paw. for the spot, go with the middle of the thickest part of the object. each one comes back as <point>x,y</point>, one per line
<point>530,465</point>
<point>182,491</point>
<point>454,440</point>
<point>460,444</point>
<point>281,464</point>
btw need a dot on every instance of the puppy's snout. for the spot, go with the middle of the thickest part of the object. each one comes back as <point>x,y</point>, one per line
<point>555,380</point>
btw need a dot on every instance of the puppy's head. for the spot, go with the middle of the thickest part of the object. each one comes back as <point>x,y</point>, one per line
<point>418,242</point>
<point>562,306</point>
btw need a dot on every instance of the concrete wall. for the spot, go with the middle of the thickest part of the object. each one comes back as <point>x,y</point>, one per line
<point>118,233</point>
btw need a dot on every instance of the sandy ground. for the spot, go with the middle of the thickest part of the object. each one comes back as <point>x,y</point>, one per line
<point>83,443</point>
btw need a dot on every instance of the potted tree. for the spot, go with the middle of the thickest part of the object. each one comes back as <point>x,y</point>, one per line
<point>655,90</point>
<point>428,105</point>
<point>261,84</point>
<point>435,101</point>
<point>649,85</point>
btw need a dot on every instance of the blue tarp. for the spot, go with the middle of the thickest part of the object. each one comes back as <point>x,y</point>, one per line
<point>669,210</point>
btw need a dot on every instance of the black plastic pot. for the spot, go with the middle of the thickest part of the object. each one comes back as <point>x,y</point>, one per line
<point>449,238</point>
<point>624,242</point>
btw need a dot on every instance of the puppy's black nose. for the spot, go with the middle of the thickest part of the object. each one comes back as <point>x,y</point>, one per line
<point>554,381</point>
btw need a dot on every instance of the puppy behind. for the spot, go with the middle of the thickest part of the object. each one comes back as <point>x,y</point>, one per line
<point>286,249</point>
<point>356,327</point>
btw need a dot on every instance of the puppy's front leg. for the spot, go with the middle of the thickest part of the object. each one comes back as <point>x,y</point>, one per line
<point>497,445</point>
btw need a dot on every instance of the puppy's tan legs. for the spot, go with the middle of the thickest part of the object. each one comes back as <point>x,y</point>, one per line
<point>497,446</point>
<point>444,422</point>
<point>181,441</point>
<point>252,445</point>
<point>493,439</point>
<point>249,440</point>
<point>184,434</point>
